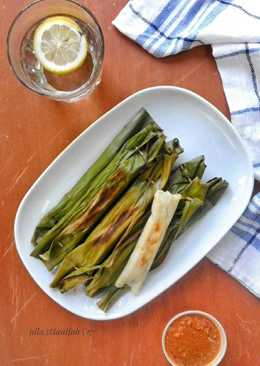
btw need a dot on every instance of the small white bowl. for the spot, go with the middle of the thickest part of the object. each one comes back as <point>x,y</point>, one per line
<point>223,344</point>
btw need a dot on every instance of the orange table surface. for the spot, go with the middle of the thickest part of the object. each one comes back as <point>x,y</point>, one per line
<point>33,130</point>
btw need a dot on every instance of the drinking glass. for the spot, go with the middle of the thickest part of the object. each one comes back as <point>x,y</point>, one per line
<point>28,70</point>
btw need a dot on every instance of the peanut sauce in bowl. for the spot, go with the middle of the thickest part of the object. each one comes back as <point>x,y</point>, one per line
<point>194,338</point>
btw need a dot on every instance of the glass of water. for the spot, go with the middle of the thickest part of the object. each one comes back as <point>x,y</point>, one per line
<point>28,68</point>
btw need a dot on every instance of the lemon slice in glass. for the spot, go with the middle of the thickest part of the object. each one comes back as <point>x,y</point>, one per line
<point>59,45</point>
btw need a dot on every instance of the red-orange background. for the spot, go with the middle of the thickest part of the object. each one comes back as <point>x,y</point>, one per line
<point>33,130</point>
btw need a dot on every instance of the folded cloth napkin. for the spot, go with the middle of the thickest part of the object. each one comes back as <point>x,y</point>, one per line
<point>167,27</point>
<point>238,253</point>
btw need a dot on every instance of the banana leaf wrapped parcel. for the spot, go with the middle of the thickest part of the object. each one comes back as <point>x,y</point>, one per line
<point>136,123</point>
<point>138,152</point>
<point>197,199</point>
<point>120,220</point>
<point>108,272</point>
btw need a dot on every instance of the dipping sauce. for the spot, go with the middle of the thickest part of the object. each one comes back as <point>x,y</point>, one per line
<point>192,340</point>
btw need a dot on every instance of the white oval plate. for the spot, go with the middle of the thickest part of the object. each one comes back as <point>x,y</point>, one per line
<point>202,129</point>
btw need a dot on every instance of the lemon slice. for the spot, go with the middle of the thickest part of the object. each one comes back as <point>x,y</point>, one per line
<point>59,45</point>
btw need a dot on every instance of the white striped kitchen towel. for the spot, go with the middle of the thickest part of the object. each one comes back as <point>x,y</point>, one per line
<point>238,253</point>
<point>232,28</point>
<point>167,27</point>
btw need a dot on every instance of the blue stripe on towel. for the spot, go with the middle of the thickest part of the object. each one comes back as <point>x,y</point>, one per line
<point>249,239</point>
<point>175,33</point>
<point>240,8</point>
<point>256,208</point>
<point>253,240</point>
<point>188,17</point>
<point>245,110</point>
<point>216,10</point>
<point>179,45</point>
<point>165,29</point>
<point>252,216</point>
<point>256,242</point>
<point>246,225</point>
<point>161,33</point>
<point>237,53</point>
<point>253,74</point>
<point>242,234</point>
<point>156,23</point>
<point>242,229</point>
<point>182,43</point>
